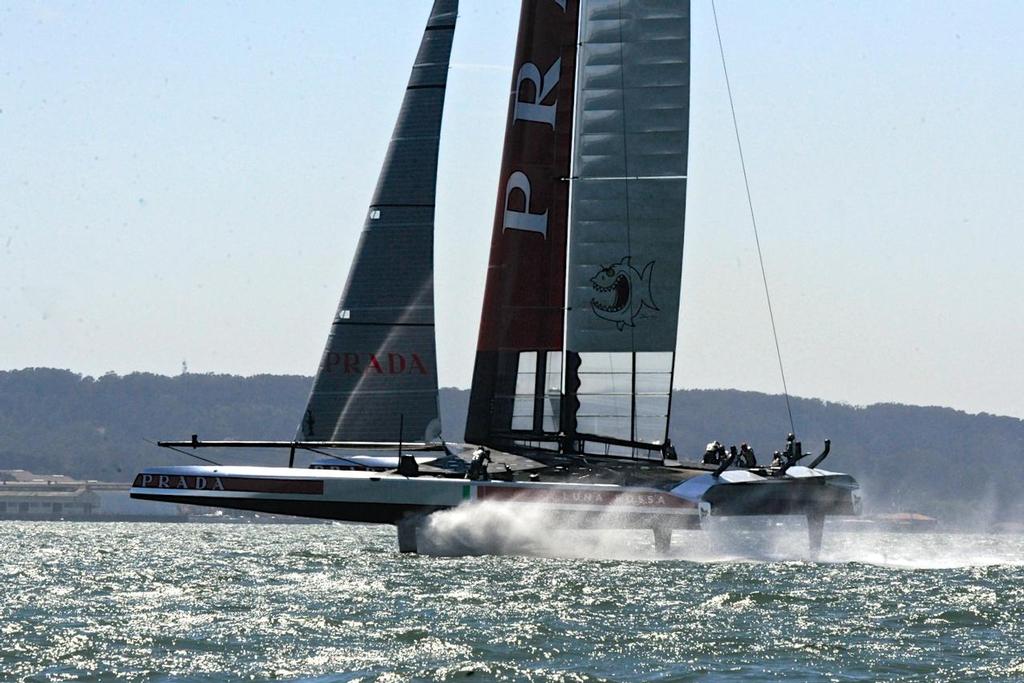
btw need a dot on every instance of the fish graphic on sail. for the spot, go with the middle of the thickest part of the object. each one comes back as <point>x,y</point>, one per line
<point>593,299</point>
<point>377,379</point>
<point>630,292</point>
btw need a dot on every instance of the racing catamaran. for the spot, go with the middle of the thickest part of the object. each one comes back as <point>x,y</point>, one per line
<point>571,392</point>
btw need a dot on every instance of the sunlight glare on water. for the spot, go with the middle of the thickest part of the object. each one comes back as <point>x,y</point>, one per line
<point>188,602</point>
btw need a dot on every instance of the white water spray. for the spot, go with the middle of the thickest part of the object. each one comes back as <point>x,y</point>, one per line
<point>506,528</point>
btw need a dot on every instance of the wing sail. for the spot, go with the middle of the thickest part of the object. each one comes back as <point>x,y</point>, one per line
<point>627,208</point>
<point>521,327</point>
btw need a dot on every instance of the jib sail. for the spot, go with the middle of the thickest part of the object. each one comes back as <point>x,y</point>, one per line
<point>379,368</point>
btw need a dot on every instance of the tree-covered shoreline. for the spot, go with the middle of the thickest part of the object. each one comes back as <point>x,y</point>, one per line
<point>943,462</point>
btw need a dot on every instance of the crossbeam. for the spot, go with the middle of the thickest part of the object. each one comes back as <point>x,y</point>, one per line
<point>195,442</point>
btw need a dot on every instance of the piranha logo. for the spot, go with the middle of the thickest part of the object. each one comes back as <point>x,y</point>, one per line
<point>629,291</point>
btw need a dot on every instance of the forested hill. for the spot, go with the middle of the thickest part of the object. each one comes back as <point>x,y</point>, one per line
<point>936,460</point>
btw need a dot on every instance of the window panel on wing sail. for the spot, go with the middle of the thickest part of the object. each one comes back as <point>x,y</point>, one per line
<point>526,388</point>
<point>651,406</point>
<point>522,413</point>
<point>650,429</point>
<point>653,383</point>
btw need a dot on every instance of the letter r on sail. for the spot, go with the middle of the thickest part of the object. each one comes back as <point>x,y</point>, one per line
<point>542,87</point>
<point>523,220</point>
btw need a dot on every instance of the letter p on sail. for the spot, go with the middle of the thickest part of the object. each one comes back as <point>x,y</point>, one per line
<point>523,220</point>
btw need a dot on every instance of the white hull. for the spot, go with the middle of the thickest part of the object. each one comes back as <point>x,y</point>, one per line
<point>358,496</point>
<point>387,498</point>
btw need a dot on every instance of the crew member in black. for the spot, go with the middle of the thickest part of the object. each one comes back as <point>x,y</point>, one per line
<point>478,465</point>
<point>669,451</point>
<point>713,453</point>
<point>747,458</point>
<point>777,460</point>
<point>790,447</point>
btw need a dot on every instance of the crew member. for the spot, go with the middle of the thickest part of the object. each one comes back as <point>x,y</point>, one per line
<point>478,466</point>
<point>747,458</point>
<point>713,453</point>
<point>790,446</point>
<point>777,460</point>
<point>668,451</point>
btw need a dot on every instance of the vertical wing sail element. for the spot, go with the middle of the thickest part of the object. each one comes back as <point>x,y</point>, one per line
<point>628,203</point>
<point>380,360</point>
<point>521,326</point>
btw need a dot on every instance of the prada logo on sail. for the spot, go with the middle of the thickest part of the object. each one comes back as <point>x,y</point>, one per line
<point>536,101</point>
<point>373,364</point>
<point>523,220</point>
<point>527,110</point>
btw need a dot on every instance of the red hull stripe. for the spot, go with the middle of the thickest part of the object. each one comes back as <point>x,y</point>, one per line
<point>647,499</point>
<point>239,484</point>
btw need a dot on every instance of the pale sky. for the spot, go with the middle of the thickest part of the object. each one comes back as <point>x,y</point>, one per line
<point>187,181</point>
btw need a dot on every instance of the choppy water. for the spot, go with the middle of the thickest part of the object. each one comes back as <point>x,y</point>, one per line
<point>153,602</point>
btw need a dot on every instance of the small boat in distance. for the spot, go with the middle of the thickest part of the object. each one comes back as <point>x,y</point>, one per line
<point>572,381</point>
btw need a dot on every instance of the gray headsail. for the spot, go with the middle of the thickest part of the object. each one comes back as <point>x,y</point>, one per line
<point>379,368</point>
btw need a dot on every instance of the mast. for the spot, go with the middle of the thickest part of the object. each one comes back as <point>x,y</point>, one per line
<point>380,356</point>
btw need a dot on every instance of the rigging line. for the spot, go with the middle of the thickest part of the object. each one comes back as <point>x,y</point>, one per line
<point>332,455</point>
<point>753,220</point>
<point>191,455</point>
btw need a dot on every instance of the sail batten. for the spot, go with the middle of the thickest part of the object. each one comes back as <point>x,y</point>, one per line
<point>377,379</point>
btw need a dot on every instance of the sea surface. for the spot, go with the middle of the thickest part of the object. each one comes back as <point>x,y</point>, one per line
<point>256,602</point>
